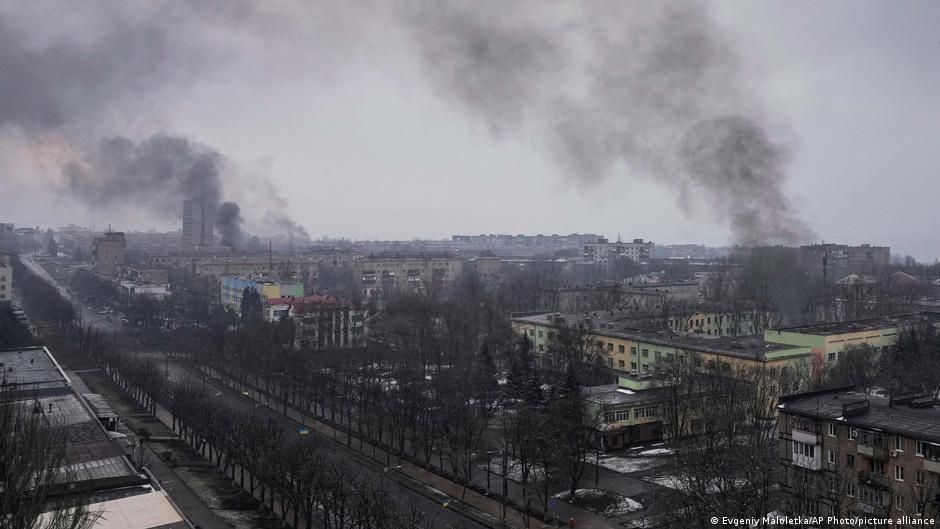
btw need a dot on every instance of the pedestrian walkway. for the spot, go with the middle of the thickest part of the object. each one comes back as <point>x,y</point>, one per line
<point>188,502</point>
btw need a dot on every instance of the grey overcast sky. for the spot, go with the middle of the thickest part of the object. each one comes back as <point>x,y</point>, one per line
<point>409,119</point>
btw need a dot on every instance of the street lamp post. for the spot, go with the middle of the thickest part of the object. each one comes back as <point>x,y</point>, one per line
<point>488,458</point>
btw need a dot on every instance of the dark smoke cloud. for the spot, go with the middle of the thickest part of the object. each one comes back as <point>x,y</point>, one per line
<point>157,174</point>
<point>653,87</point>
<point>648,88</point>
<point>228,222</point>
<point>67,85</point>
<point>49,84</point>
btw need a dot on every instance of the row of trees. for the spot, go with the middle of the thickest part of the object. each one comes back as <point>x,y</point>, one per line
<point>297,477</point>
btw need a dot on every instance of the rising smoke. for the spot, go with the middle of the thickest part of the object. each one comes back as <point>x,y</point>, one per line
<point>58,89</point>
<point>650,88</point>
<point>647,89</point>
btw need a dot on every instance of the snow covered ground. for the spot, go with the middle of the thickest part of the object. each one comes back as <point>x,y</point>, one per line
<point>601,502</point>
<point>629,465</point>
<point>656,452</point>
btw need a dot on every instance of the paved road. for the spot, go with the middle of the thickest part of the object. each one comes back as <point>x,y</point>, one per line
<point>432,506</point>
<point>187,500</point>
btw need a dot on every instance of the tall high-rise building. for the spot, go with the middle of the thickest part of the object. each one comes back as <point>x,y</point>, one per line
<point>108,253</point>
<point>197,222</point>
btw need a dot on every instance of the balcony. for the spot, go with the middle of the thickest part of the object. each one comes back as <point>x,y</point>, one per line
<point>810,438</point>
<point>932,465</point>
<point>873,479</point>
<point>809,462</point>
<point>874,452</point>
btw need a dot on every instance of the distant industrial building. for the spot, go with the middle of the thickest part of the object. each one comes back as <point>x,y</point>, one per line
<point>108,253</point>
<point>604,251</point>
<point>198,221</point>
<point>96,463</point>
<point>268,288</point>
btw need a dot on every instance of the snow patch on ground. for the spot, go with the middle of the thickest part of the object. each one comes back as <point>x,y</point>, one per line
<point>656,452</point>
<point>601,502</point>
<point>628,465</point>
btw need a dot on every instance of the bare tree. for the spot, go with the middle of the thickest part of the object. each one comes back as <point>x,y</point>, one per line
<point>32,480</point>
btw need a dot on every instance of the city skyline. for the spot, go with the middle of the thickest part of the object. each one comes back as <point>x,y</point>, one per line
<point>845,90</point>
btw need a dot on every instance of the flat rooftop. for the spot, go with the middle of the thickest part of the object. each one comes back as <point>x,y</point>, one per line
<point>874,324</point>
<point>736,346</point>
<point>27,368</point>
<point>917,423</point>
<point>90,454</point>
<point>613,395</point>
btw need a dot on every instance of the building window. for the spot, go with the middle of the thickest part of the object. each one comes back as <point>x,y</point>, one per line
<point>832,430</point>
<point>646,368</point>
<point>919,478</point>
<point>803,449</point>
<point>531,332</point>
<point>851,489</point>
<point>658,355</point>
<point>540,334</point>
<point>610,347</point>
<point>832,357</point>
<point>621,364</point>
<point>646,353</point>
<point>899,502</point>
<point>633,366</point>
<point>832,457</point>
<point>899,472</point>
<point>633,351</point>
<point>853,434</point>
<point>899,443</point>
<point>610,362</point>
<point>918,448</point>
<point>620,348</point>
<point>541,347</point>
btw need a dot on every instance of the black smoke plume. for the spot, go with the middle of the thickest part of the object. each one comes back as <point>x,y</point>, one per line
<point>156,174</point>
<point>62,86</point>
<point>652,88</point>
<point>228,222</point>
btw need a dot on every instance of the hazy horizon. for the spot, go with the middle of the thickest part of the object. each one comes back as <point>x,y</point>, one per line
<point>363,122</point>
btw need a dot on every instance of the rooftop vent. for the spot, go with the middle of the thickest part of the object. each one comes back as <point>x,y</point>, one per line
<point>854,409</point>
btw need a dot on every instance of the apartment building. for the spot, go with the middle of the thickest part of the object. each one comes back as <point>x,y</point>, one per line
<point>320,322</point>
<point>846,453</point>
<point>382,274</point>
<point>108,253</point>
<point>6,281</point>
<point>198,220</point>
<point>604,251</point>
